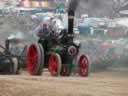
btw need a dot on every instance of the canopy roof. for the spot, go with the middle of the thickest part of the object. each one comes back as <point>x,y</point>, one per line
<point>37,3</point>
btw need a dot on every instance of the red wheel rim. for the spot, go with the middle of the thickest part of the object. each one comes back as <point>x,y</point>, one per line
<point>53,65</point>
<point>83,65</point>
<point>32,59</point>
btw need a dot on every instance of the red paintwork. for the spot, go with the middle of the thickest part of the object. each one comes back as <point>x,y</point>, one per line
<point>53,65</point>
<point>32,59</point>
<point>83,65</point>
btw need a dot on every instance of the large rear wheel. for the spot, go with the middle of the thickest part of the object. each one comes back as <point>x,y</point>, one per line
<point>35,59</point>
<point>55,64</point>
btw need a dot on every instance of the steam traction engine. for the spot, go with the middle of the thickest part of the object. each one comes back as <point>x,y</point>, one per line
<point>9,63</point>
<point>58,54</point>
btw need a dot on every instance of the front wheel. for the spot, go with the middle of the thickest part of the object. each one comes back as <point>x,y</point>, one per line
<point>83,66</point>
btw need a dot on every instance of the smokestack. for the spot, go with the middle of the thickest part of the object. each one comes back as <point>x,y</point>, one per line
<point>71,14</point>
<point>73,4</point>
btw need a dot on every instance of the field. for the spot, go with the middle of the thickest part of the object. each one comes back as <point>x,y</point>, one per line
<point>110,83</point>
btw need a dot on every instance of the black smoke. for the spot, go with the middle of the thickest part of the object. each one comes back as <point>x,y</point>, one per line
<point>73,5</point>
<point>95,8</point>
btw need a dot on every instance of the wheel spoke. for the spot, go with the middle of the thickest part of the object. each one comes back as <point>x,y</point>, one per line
<point>32,60</point>
<point>54,65</point>
<point>83,65</point>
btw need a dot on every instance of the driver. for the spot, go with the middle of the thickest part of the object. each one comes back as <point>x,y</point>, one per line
<point>43,31</point>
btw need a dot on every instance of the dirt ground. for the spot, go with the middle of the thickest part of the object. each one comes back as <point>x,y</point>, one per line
<point>111,83</point>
